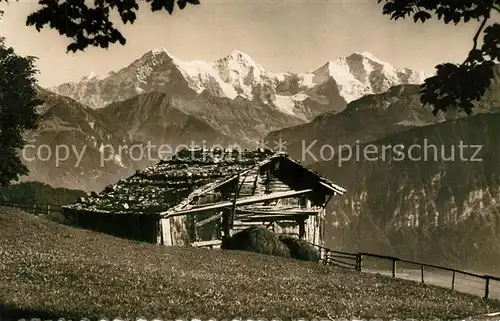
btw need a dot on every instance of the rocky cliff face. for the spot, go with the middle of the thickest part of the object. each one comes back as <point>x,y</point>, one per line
<point>443,206</point>
<point>76,147</point>
<point>79,147</point>
<point>154,118</point>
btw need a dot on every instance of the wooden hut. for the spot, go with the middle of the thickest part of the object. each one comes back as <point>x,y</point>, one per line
<point>199,196</point>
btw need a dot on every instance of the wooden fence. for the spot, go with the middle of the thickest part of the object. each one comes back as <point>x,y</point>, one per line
<point>487,286</point>
<point>33,208</point>
<point>464,281</point>
<point>337,258</point>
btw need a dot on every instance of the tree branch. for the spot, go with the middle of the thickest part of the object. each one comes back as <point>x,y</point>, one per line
<point>470,58</point>
<point>476,36</point>
<point>496,8</point>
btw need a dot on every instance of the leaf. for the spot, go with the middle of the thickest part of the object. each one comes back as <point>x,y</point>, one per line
<point>169,5</point>
<point>491,41</point>
<point>73,47</point>
<point>476,55</point>
<point>181,4</point>
<point>457,85</point>
<point>388,8</point>
<point>422,16</point>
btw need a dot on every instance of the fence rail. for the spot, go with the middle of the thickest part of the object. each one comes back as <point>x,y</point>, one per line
<point>207,244</point>
<point>337,258</point>
<point>34,208</point>
<point>487,286</point>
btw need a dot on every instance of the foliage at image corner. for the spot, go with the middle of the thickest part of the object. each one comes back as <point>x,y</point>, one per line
<point>91,25</point>
<point>18,102</point>
<point>456,85</point>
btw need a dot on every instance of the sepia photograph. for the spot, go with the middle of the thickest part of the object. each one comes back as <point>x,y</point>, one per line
<point>237,160</point>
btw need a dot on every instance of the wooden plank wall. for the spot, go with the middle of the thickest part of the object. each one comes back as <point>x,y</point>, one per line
<point>256,182</point>
<point>179,230</point>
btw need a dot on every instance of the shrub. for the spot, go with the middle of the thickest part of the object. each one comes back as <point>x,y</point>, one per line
<point>258,240</point>
<point>39,193</point>
<point>300,249</point>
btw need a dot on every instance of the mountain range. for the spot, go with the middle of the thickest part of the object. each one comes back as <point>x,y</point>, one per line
<point>161,101</point>
<point>99,147</point>
<point>238,96</point>
<point>369,118</point>
<point>78,135</point>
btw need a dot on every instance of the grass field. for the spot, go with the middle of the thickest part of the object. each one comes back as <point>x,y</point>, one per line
<point>52,270</point>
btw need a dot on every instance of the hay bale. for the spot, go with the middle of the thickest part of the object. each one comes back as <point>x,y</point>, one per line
<point>256,239</point>
<point>300,249</point>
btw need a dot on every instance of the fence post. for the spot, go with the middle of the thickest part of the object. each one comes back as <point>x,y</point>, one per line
<point>393,267</point>
<point>453,281</point>
<point>48,209</point>
<point>422,272</point>
<point>487,287</point>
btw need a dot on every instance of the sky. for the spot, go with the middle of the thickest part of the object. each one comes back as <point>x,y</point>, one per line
<point>293,35</point>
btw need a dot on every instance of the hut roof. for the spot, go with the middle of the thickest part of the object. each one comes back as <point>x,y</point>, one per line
<point>175,181</point>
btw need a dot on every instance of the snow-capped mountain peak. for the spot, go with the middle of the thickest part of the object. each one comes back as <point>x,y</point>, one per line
<point>91,76</point>
<point>240,56</point>
<point>362,73</point>
<point>367,55</point>
<point>243,74</point>
<point>158,51</point>
<point>88,76</point>
<point>237,60</point>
